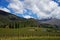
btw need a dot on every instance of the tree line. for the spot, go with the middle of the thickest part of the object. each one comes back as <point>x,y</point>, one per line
<point>27,23</point>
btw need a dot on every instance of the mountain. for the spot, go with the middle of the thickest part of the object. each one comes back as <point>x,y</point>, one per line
<point>12,21</point>
<point>9,19</point>
<point>52,21</point>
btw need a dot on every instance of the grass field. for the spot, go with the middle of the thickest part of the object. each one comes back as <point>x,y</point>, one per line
<point>29,33</point>
<point>31,38</point>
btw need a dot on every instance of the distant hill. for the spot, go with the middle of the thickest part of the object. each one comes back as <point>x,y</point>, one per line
<point>52,21</point>
<point>7,18</point>
<point>55,23</point>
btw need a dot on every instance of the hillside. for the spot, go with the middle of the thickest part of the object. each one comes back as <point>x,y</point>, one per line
<point>8,18</point>
<point>12,26</point>
<point>52,21</point>
<point>12,21</point>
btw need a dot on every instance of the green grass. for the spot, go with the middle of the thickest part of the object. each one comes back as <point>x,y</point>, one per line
<point>28,31</point>
<point>28,38</point>
<point>4,32</point>
<point>19,34</point>
<point>42,39</point>
<point>38,32</point>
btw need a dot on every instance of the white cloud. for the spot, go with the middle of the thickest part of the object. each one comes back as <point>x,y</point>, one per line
<point>42,8</point>
<point>58,0</point>
<point>27,16</point>
<point>45,9</point>
<point>16,6</point>
<point>56,13</point>
<point>4,9</point>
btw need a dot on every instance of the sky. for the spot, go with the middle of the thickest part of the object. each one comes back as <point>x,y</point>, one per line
<point>38,9</point>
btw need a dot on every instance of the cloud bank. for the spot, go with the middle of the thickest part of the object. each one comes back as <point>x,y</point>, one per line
<point>42,8</point>
<point>27,16</point>
<point>4,9</point>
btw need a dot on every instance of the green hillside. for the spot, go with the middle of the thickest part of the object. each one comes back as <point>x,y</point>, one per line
<point>12,26</point>
<point>8,20</point>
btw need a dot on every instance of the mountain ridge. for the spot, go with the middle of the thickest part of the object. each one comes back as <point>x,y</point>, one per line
<point>52,21</point>
<point>8,19</point>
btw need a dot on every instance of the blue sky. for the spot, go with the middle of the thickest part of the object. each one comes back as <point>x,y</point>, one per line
<point>57,1</point>
<point>39,9</point>
<point>3,3</point>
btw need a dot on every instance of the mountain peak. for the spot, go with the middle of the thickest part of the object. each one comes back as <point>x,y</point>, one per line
<point>52,21</point>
